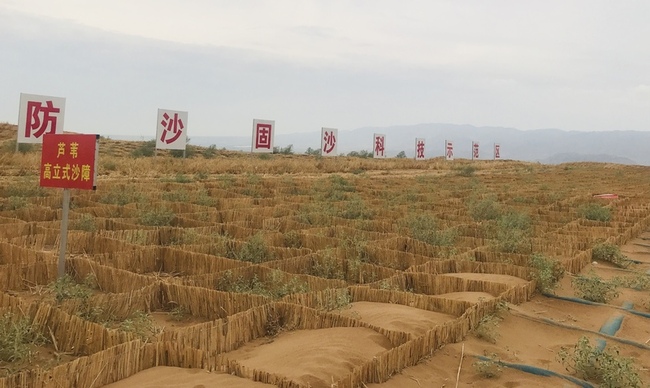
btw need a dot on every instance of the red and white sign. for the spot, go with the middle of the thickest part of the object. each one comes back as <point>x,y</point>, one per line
<point>449,150</point>
<point>263,131</point>
<point>69,161</point>
<point>475,150</point>
<point>329,141</point>
<point>419,149</point>
<point>39,115</point>
<point>379,146</point>
<point>171,131</point>
<point>497,151</point>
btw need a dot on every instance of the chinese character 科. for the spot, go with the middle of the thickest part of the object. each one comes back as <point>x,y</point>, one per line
<point>74,149</point>
<point>420,150</point>
<point>61,150</point>
<point>39,118</point>
<point>379,145</point>
<point>263,136</point>
<point>330,142</point>
<point>47,171</point>
<point>76,172</point>
<point>85,172</point>
<point>57,171</point>
<point>173,126</point>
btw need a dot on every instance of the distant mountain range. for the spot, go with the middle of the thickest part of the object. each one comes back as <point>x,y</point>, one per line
<point>548,146</point>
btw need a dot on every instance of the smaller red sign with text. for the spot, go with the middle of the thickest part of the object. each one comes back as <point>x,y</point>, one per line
<point>69,161</point>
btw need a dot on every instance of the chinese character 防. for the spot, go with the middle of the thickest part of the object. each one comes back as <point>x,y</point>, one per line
<point>39,118</point>
<point>263,136</point>
<point>420,150</point>
<point>173,126</point>
<point>379,145</point>
<point>330,142</point>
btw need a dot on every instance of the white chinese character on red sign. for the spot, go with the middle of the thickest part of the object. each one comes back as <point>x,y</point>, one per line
<point>419,150</point>
<point>40,119</point>
<point>263,136</point>
<point>379,145</point>
<point>329,142</point>
<point>173,128</point>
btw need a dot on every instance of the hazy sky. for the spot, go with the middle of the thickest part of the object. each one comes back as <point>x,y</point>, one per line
<point>573,65</point>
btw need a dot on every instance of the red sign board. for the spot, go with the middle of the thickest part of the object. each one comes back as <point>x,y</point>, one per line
<point>69,161</point>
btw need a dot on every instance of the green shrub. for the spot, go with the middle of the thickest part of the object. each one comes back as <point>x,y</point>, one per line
<point>356,209</point>
<point>275,287</point>
<point>176,196</point>
<point>401,155</point>
<point>545,271</point>
<point>605,367</point>
<point>210,152</point>
<point>594,289</point>
<point>66,287</point>
<point>489,368</point>
<point>313,151</point>
<point>487,328</point>
<point>121,195</point>
<point>254,250</point>
<point>17,334</point>
<point>146,149</point>
<point>86,223</point>
<point>595,212</point>
<point>156,217</point>
<point>292,239</point>
<point>141,324</point>
<point>360,154</point>
<point>288,150</point>
<point>638,281</point>
<point>611,253</point>
<point>514,231</point>
<point>467,171</point>
<point>484,209</point>
<point>339,300</point>
<point>326,265</point>
<point>424,227</point>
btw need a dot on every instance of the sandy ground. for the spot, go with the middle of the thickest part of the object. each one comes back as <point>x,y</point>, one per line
<point>531,334</point>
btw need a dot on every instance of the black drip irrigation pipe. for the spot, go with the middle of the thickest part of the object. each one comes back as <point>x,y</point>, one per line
<point>537,371</point>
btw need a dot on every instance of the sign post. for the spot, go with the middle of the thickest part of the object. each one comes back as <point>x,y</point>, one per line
<point>68,162</point>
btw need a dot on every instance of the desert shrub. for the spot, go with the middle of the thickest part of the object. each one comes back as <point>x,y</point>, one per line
<point>611,253</point>
<point>360,154</point>
<point>595,212</point>
<point>156,217</point>
<point>603,366</point>
<point>123,195</point>
<point>182,178</point>
<point>17,334</point>
<point>326,265</point>
<point>467,171</point>
<point>594,289</point>
<point>65,287</point>
<point>179,313</point>
<point>313,151</point>
<point>24,188</point>
<point>86,223</point>
<point>638,281</point>
<point>487,328</point>
<point>484,209</point>
<point>210,152</point>
<point>141,324</point>
<point>356,209</point>
<point>254,250</point>
<point>545,271</point>
<point>424,227</point>
<point>288,150</point>
<point>176,196</point>
<point>341,299</point>
<point>292,239</point>
<point>513,233</point>
<point>488,368</point>
<point>401,155</point>
<point>274,287</point>
<point>146,149</point>
<point>23,148</point>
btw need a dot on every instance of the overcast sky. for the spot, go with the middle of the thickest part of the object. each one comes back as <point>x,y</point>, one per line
<point>572,65</point>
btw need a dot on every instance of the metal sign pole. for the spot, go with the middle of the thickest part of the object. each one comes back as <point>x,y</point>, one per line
<point>64,232</point>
